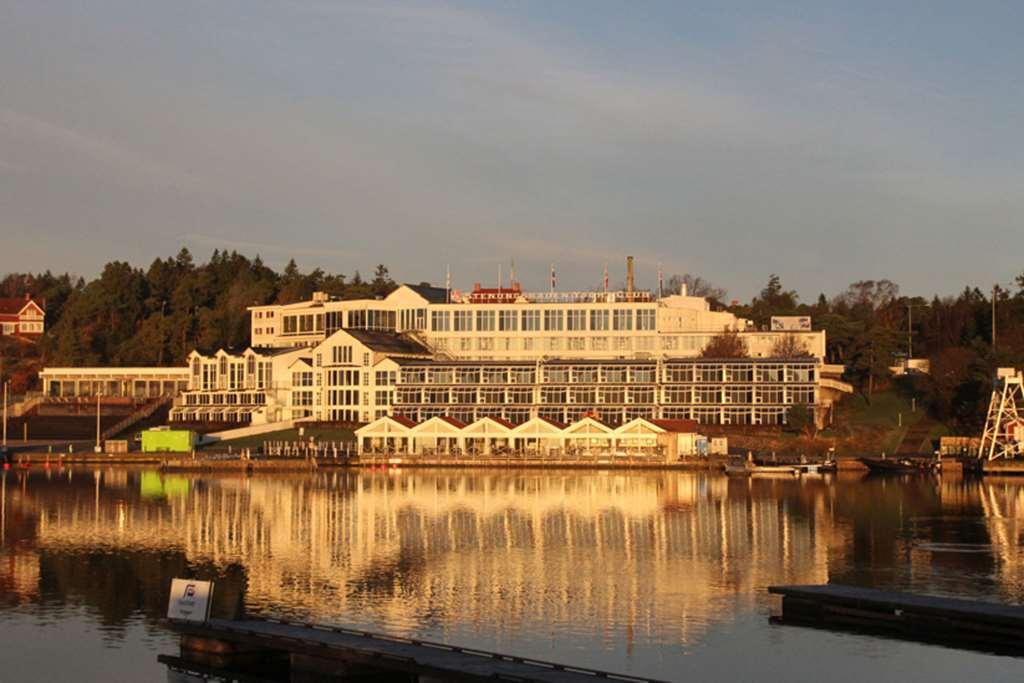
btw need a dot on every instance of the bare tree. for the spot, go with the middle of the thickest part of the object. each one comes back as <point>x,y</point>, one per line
<point>789,346</point>
<point>696,286</point>
<point>728,344</point>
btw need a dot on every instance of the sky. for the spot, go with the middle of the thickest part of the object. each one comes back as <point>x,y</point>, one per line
<point>825,142</point>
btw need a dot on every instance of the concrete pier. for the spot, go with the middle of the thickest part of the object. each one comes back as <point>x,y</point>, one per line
<point>332,653</point>
<point>970,624</point>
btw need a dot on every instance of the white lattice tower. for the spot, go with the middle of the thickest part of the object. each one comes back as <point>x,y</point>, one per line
<point>1004,427</point>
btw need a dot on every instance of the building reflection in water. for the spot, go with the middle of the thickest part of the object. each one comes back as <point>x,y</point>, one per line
<point>610,557</point>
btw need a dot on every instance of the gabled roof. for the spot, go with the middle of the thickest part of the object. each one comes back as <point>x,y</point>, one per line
<point>444,419</point>
<point>15,305</point>
<point>644,423</point>
<point>435,295</point>
<point>402,420</point>
<point>482,424</point>
<point>537,424</point>
<point>404,424</point>
<point>680,426</point>
<point>388,342</point>
<point>596,426</point>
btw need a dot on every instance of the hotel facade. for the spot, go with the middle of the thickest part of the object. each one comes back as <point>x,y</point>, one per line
<point>424,351</point>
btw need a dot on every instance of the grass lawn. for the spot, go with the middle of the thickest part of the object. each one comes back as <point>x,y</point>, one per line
<point>319,434</point>
<point>875,426</point>
<point>883,411</point>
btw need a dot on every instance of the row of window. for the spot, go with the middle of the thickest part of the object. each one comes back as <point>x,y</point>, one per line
<point>533,320</point>
<point>554,344</point>
<point>611,374</point>
<point>343,397</point>
<point>352,397</point>
<point>613,416</point>
<point>231,374</point>
<point>608,395</point>
<point>346,378</point>
<point>254,398</point>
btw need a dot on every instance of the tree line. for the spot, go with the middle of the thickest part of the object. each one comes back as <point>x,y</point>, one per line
<point>156,316</point>
<point>871,327</point>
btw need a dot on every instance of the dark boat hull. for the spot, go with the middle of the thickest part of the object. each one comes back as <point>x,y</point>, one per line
<point>897,465</point>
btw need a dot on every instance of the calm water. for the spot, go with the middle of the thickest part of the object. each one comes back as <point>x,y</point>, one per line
<point>662,574</point>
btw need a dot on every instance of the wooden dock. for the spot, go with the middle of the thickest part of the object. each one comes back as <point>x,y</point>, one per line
<point>321,652</point>
<point>955,622</point>
<point>236,464</point>
<point>1002,467</point>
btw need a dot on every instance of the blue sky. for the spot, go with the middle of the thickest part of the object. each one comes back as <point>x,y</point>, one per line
<point>820,141</point>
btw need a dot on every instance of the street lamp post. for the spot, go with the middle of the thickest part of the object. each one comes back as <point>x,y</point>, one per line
<point>97,449</point>
<point>5,414</point>
<point>910,329</point>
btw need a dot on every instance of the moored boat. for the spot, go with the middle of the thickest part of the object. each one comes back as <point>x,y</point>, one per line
<point>899,465</point>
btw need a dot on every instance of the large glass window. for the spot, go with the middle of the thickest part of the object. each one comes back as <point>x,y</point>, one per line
<point>463,321</point>
<point>495,376</point>
<point>804,395</point>
<point>554,321</point>
<point>709,373</point>
<point>644,374</point>
<point>599,319</point>
<point>613,373</point>
<point>576,321</point>
<point>646,319</point>
<point>485,321</point>
<point>508,321</point>
<point>678,373</point>
<point>556,373</point>
<point>531,321</point>
<point>623,319</point>
<point>799,373</point>
<point>440,321</point>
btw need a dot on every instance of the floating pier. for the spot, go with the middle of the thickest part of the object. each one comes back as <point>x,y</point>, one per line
<point>313,652</point>
<point>955,622</point>
<point>237,464</point>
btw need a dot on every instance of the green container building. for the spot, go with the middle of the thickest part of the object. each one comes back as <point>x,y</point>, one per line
<point>168,440</point>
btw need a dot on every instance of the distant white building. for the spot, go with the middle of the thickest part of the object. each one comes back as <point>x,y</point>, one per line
<point>424,352</point>
<point>508,324</point>
<point>349,377</point>
<point>501,353</point>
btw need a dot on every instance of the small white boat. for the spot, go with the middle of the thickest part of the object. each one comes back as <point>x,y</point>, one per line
<point>747,469</point>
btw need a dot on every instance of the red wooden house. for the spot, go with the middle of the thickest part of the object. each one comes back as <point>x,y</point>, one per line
<point>21,317</point>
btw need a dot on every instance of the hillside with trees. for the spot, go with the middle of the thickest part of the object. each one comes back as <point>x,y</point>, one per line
<point>870,326</point>
<point>157,315</point>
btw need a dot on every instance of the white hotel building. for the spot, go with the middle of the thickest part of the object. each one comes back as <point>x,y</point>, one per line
<point>423,351</point>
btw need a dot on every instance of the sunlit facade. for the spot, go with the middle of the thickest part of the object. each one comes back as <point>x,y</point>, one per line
<point>730,392</point>
<point>508,324</point>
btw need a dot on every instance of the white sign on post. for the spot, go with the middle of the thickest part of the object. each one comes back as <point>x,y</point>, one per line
<point>190,600</point>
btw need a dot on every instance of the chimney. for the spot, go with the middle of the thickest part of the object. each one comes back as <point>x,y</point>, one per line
<point>630,276</point>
